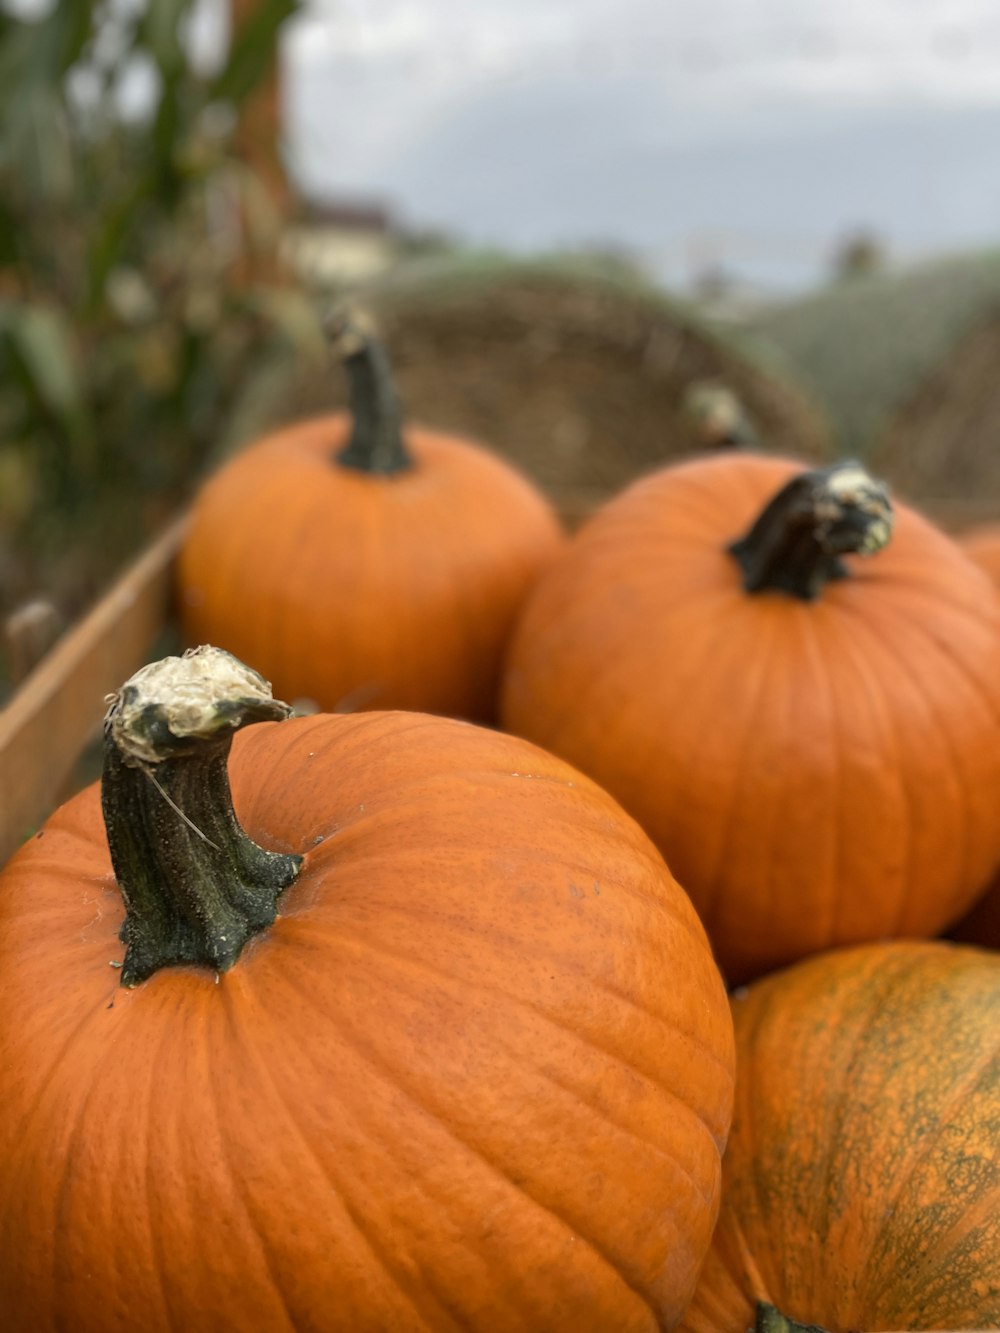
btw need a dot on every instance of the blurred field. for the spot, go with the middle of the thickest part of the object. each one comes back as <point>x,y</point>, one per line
<point>579,374</point>
<point>148,325</point>
<point>904,364</point>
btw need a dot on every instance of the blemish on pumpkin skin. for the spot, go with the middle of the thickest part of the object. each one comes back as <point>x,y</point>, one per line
<point>544,777</point>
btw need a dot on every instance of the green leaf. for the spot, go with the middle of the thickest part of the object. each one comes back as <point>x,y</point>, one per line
<point>43,342</point>
<point>161,33</point>
<point>109,247</point>
<point>252,51</point>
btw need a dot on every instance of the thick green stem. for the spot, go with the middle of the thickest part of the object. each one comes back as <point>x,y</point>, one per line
<point>796,544</point>
<point>376,444</point>
<point>195,886</point>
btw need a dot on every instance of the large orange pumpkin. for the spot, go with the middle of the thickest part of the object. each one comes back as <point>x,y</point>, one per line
<point>477,1074</point>
<point>812,740</point>
<point>387,564</point>
<point>862,1181</point>
<point>983,546</point>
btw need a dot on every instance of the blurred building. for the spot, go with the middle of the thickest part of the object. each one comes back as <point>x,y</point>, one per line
<point>341,243</point>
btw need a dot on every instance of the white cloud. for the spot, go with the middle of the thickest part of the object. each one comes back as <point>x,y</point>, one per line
<point>369,78</point>
<point>900,41</point>
<point>534,122</point>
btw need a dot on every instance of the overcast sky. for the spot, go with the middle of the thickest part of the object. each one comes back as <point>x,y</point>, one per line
<point>755,131</point>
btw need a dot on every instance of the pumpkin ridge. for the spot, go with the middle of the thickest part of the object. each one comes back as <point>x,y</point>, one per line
<point>224,1140</point>
<point>875,694</point>
<point>671,1025</point>
<point>263,1074</point>
<point>827,903</point>
<point>56,1063</point>
<point>422,965</point>
<point>599,1113</point>
<point>757,1284</point>
<point>161,1258</point>
<point>764,658</point>
<point>745,1112</point>
<point>771,811</point>
<point>62,1212</point>
<point>390,1075</point>
<point>904,665</point>
<point>578,705</point>
<point>966,611</point>
<point>305,552</point>
<point>604,682</point>
<point>690,923</point>
<point>882,983</point>
<point>930,1141</point>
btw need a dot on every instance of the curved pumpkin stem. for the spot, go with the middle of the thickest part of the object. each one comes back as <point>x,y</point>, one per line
<point>770,1320</point>
<point>795,545</point>
<point>376,444</point>
<point>195,886</point>
<point>717,416</point>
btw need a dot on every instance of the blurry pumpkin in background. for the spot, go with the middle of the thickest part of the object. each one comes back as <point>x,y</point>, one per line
<point>386,563</point>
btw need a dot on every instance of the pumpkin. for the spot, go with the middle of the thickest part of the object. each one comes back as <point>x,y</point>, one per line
<point>387,564</point>
<point>424,1036</point>
<point>983,546</point>
<point>861,1181</point>
<point>812,740</point>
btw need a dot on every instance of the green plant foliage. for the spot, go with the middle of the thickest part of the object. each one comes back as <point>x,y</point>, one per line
<point>143,320</point>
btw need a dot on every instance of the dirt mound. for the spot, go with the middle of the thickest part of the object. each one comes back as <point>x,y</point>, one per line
<point>905,366</point>
<point>585,381</point>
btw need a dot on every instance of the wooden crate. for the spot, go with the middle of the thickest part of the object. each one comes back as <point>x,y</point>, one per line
<point>57,710</point>
<point>59,707</point>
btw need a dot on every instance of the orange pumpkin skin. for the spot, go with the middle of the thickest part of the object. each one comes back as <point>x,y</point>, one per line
<point>816,773</point>
<point>983,546</point>
<point>370,591</point>
<point>477,1075</point>
<point>861,1184</point>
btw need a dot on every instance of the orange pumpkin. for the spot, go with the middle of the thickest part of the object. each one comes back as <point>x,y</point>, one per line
<point>812,740</point>
<point>861,1182</point>
<point>387,565</point>
<point>983,546</point>
<point>476,1074</point>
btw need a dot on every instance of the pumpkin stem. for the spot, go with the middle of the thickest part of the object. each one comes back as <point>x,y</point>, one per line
<point>770,1320</point>
<point>376,444</point>
<point>717,417</point>
<point>195,887</point>
<point>796,543</point>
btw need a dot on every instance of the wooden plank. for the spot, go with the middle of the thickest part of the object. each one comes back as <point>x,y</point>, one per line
<point>48,721</point>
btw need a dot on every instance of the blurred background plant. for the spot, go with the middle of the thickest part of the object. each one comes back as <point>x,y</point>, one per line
<point>146,326</point>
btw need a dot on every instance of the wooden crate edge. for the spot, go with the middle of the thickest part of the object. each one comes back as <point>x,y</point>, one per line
<point>49,719</point>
